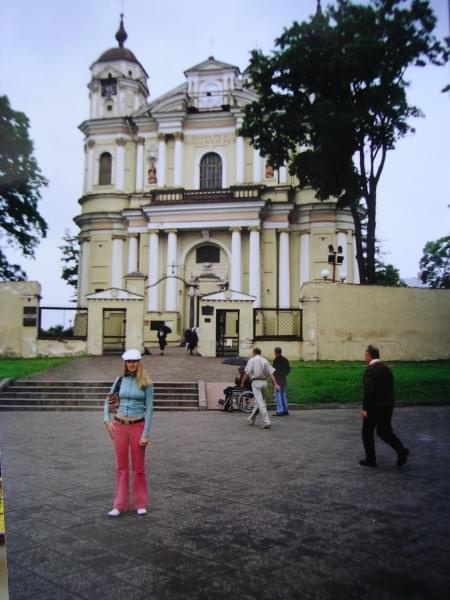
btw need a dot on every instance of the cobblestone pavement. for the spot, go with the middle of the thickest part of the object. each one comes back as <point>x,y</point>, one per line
<point>175,365</point>
<point>236,512</point>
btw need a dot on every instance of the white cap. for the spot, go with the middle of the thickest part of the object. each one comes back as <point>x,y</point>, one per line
<point>132,355</point>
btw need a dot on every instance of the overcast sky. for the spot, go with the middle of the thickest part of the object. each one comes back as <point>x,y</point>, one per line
<point>47,47</point>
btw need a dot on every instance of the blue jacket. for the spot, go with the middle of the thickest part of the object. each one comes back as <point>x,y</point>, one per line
<point>134,402</point>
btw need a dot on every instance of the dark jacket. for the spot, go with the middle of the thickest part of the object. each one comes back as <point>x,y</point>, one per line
<point>378,384</point>
<point>282,368</point>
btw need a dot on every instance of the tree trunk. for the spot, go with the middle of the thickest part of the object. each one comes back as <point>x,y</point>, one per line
<point>359,245</point>
<point>371,240</point>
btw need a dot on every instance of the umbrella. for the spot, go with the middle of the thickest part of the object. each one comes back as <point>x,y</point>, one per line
<point>235,360</point>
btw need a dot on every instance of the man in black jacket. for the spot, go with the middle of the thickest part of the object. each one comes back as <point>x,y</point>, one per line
<point>378,405</point>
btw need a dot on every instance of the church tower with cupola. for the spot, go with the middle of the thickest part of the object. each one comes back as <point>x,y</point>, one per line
<point>118,86</point>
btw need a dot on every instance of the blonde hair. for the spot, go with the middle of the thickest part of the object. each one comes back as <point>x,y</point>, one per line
<point>141,374</point>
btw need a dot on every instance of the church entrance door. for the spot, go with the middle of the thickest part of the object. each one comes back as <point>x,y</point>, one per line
<point>114,325</point>
<point>227,333</point>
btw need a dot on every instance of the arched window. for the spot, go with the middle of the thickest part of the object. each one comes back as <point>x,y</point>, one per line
<point>207,254</point>
<point>104,177</point>
<point>211,172</point>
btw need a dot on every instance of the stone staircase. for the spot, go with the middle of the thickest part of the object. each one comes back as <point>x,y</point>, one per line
<point>89,395</point>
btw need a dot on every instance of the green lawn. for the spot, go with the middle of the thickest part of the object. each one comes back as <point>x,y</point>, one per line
<point>16,368</point>
<point>341,382</point>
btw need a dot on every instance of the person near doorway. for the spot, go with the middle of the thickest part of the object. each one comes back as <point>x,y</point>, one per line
<point>378,405</point>
<point>193,340</point>
<point>161,334</point>
<point>282,368</point>
<point>258,370</point>
<point>129,429</point>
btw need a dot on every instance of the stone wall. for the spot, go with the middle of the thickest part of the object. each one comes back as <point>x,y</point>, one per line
<point>19,301</point>
<point>340,320</point>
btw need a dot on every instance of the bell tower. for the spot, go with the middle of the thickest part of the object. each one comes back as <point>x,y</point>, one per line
<point>118,85</point>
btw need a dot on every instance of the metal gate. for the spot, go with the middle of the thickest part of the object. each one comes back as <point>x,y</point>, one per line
<point>114,324</point>
<point>227,333</point>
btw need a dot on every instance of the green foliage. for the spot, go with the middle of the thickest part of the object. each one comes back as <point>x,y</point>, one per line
<point>341,382</point>
<point>435,264</point>
<point>21,225</point>
<point>16,368</point>
<point>70,258</point>
<point>332,101</point>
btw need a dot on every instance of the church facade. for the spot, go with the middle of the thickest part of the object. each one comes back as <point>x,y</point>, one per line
<point>178,208</point>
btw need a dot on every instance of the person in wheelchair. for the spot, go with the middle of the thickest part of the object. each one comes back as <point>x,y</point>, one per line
<point>234,394</point>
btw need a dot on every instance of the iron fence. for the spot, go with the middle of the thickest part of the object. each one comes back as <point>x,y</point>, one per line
<point>62,323</point>
<point>275,323</point>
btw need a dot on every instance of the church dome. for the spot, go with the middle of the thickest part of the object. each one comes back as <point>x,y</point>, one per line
<point>119,53</point>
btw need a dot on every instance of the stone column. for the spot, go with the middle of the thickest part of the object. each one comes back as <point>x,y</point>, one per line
<point>161,159</point>
<point>171,282</point>
<point>90,165</point>
<point>236,260</point>
<point>83,270</point>
<point>342,241</point>
<point>153,271</point>
<point>120,163</point>
<point>304,259</point>
<point>133,254</point>
<point>117,261</point>
<point>283,270</point>
<point>140,164</point>
<point>178,159</point>
<point>254,267</point>
<point>257,166</point>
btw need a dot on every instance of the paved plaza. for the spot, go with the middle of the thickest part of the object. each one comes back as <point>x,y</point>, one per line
<point>236,512</point>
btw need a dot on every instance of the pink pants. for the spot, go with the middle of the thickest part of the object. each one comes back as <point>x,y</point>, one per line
<point>126,437</point>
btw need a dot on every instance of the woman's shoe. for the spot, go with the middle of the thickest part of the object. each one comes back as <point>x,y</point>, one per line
<point>115,512</point>
<point>141,511</point>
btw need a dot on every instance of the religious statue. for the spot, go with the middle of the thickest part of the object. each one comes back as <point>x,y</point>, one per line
<point>269,171</point>
<point>152,178</point>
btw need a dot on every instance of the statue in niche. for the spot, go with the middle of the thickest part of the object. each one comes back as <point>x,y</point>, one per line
<point>269,171</point>
<point>151,173</point>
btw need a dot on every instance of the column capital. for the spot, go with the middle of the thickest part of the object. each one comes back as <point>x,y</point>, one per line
<point>178,135</point>
<point>235,229</point>
<point>283,230</point>
<point>153,231</point>
<point>161,137</point>
<point>256,228</point>
<point>140,140</point>
<point>171,230</point>
<point>118,236</point>
<point>90,143</point>
<point>84,238</point>
<point>121,141</point>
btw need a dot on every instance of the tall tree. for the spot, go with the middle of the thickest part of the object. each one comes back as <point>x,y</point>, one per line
<point>70,258</point>
<point>435,264</point>
<point>332,101</point>
<point>21,225</point>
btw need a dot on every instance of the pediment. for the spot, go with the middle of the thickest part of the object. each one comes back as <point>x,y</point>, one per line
<point>229,296</point>
<point>211,64</point>
<point>114,294</point>
<point>107,70</point>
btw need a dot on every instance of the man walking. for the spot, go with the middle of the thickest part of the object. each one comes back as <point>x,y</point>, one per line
<point>378,405</point>
<point>282,368</point>
<point>258,370</point>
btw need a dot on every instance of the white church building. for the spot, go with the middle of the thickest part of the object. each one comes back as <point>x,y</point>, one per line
<point>183,222</point>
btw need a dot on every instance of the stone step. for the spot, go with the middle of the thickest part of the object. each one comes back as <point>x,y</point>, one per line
<point>179,394</point>
<point>89,395</point>
<point>45,407</point>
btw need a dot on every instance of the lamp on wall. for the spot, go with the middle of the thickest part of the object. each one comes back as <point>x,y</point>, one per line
<point>335,257</point>
<point>325,273</point>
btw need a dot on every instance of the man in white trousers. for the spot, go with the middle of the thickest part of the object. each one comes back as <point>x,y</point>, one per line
<point>258,370</point>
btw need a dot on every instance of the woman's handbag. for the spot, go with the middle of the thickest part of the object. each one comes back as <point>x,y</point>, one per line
<point>114,398</point>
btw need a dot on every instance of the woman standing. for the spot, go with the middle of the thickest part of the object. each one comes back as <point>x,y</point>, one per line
<point>130,430</point>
